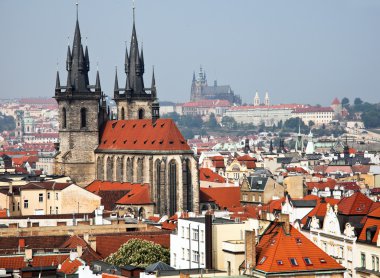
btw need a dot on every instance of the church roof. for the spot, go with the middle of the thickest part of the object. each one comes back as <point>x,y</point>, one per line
<point>224,197</point>
<point>335,101</point>
<point>163,135</point>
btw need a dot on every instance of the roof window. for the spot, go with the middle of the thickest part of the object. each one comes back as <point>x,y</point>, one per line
<point>134,126</point>
<point>162,125</point>
<point>262,260</point>
<point>114,124</point>
<point>322,260</point>
<point>144,125</point>
<point>307,261</point>
<point>123,126</point>
<point>171,142</point>
<point>145,141</point>
<point>298,240</point>
<point>280,262</point>
<point>153,141</point>
<point>114,141</point>
<point>134,142</point>
<point>293,261</point>
<point>105,141</point>
<point>125,141</point>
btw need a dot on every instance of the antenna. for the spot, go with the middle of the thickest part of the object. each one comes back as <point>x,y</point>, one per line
<point>77,4</point>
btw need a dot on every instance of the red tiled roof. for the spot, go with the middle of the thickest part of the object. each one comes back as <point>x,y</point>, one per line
<point>296,170</point>
<point>335,169</point>
<point>70,267</point>
<point>218,161</point>
<point>3,213</point>
<point>98,185</point>
<point>138,195</point>
<point>73,242</point>
<point>320,209</point>
<point>142,135</point>
<point>208,103</point>
<point>18,262</point>
<point>248,160</point>
<point>273,205</point>
<point>356,204</point>
<point>335,101</point>
<point>278,248</point>
<point>224,197</point>
<point>330,183</point>
<point>372,221</point>
<point>206,174</point>
<point>46,185</point>
<point>313,109</point>
<point>278,106</point>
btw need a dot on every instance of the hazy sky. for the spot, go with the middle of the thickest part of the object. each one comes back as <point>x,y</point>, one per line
<point>300,51</point>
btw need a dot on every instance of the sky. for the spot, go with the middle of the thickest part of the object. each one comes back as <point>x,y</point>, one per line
<point>299,51</point>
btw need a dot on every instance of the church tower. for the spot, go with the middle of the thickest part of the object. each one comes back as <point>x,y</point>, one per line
<point>256,100</point>
<point>82,112</point>
<point>134,101</point>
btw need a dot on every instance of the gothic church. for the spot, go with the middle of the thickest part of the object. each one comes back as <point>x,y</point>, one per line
<point>138,147</point>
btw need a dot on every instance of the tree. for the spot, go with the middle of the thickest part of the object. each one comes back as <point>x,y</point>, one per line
<point>345,102</point>
<point>358,101</point>
<point>212,123</point>
<point>7,122</point>
<point>311,123</point>
<point>229,122</point>
<point>138,252</point>
<point>292,124</point>
<point>172,115</point>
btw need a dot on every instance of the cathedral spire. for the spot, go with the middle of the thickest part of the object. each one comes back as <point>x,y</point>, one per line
<point>97,83</point>
<point>153,88</point>
<point>87,59</point>
<point>126,63</point>
<point>57,82</point>
<point>68,59</point>
<point>116,86</point>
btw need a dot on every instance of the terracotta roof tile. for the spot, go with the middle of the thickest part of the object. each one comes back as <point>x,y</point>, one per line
<point>356,204</point>
<point>299,247</point>
<point>138,195</point>
<point>142,135</point>
<point>206,174</point>
<point>17,262</point>
<point>70,267</point>
<point>224,197</point>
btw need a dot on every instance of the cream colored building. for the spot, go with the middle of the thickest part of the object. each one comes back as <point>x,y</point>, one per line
<point>319,115</point>
<point>42,198</point>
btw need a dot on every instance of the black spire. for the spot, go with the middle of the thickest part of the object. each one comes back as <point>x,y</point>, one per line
<point>57,83</point>
<point>153,88</point>
<point>142,61</point>
<point>126,63</point>
<point>193,76</point>
<point>68,59</point>
<point>87,59</point>
<point>97,83</point>
<point>116,87</point>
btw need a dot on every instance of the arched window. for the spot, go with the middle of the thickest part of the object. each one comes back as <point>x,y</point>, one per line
<point>187,186</point>
<point>157,192</point>
<point>140,170</point>
<point>122,116</point>
<point>129,170</point>
<point>64,117</point>
<point>109,169</point>
<point>100,168</point>
<point>173,187</point>
<point>83,120</point>
<point>119,169</point>
<point>141,113</point>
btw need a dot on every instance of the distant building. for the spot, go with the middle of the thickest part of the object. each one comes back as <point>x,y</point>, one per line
<point>200,90</point>
<point>318,115</point>
<point>206,107</point>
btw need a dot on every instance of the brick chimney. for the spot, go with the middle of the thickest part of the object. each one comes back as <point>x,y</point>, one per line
<point>250,250</point>
<point>284,218</point>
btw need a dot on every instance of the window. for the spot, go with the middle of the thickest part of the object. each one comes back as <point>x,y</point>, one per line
<point>260,198</point>
<point>362,260</point>
<point>187,232</point>
<point>40,197</point>
<point>83,120</point>
<point>56,195</point>
<point>187,254</point>
<point>245,198</point>
<point>195,234</point>
<point>13,206</point>
<point>183,253</point>
<point>322,260</point>
<point>307,261</point>
<point>183,232</point>
<point>202,258</point>
<point>122,113</point>
<point>18,206</point>
<point>298,240</point>
<point>202,235</point>
<point>56,210</point>
<point>377,264</point>
<point>174,259</point>
<point>64,123</point>
<point>195,256</point>
<point>280,262</point>
<point>373,262</point>
<point>141,113</point>
<point>48,195</point>
<point>262,260</point>
<point>51,209</point>
<point>293,261</point>
<point>26,204</point>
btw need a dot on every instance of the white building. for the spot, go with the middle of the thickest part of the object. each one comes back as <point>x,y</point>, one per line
<point>318,115</point>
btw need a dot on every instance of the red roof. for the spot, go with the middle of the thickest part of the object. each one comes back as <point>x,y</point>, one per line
<point>142,135</point>
<point>321,185</point>
<point>356,204</point>
<point>248,161</point>
<point>98,185</point>
<point>335,101</point>
<point>224,197</point>
<point>139,195</point>
<point>278,106</point>
<point>312,109</point>
<point>273,205</point>
<point>206,174</point>
<point>273,256</point>
<point>218,161</point>
<point>372,221</point>
<point>320,209</point>
<point>3,213</point>
<point>18,262</point>
<point>208,103</point>
<point>70,267</point>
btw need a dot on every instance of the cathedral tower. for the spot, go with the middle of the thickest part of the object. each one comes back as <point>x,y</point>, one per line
<point>82,112</point>
<point>133,101</point>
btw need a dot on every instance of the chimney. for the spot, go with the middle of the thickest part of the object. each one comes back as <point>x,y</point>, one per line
<point>285,219</point>
<point>79,251</point>
<point>28,255</point>
<point>208,239</point>
<point>250,250</point>
<point>10,191</point>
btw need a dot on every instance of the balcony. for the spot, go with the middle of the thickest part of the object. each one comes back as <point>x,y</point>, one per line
<point>233,246</point>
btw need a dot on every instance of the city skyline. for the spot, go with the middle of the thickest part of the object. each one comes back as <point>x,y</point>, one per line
<point>306,53</point>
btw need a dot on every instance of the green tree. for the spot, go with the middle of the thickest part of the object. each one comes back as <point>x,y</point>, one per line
<point>229,122</point>
<point>7,122</point>
<point>212,123</point>
<point>138,252</point>
<point>292,124</point>
<point>311,123</point>
<point>172,115</point>
<point>345,102</point>
<point>358,101</point>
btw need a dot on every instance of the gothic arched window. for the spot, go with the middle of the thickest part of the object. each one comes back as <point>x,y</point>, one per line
<point>119,169</point>
<point>109,169</point>
<point>100,168</point>
<point>187,185</point>
<point>158,186</point>
<point>122,116</point>
<point>173,187</point>
<point>141,113</point>
<point>64,119</point>
<point>140,170</point>
<point>129,170</point>
<point>83,120</point>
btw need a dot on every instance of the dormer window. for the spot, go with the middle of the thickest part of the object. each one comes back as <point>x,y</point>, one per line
<point>293,261</point>
<point>262,260</point>
<point>307,261</point>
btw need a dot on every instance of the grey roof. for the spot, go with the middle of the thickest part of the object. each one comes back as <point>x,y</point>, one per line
<point>257,183</point>
<point>215,90</point>
<point>158,267</point>
<point>214,221</point>
<point>304,203</point>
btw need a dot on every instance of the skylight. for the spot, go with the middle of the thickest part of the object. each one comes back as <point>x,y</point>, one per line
<point>307,261</point>
<point>262,260</point>
<point>293,261</point>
